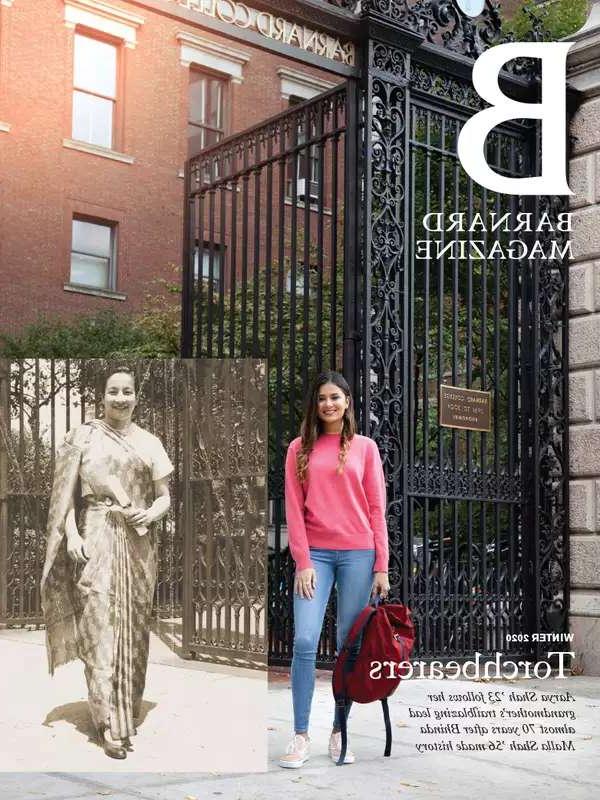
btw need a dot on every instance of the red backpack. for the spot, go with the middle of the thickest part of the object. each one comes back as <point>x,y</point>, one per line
<point>388,635</point>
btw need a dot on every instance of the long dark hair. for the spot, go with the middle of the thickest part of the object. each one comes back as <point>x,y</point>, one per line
<point>312,426</point>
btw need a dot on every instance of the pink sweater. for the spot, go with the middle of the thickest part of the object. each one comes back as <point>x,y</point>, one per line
<point>338,512</point>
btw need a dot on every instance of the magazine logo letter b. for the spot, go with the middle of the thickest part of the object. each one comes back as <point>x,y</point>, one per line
<point>551,111</point>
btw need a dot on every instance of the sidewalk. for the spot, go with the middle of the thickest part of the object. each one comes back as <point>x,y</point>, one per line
<point>187,712</point>
<point>406,774</point>
<point>433,775</point>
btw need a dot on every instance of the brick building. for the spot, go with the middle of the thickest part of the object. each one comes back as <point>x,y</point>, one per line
<point>101,101</point>
<point>100,104</point>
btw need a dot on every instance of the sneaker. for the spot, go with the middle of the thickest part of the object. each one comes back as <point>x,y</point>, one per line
<point>335,748</point>
<point>297,752</point>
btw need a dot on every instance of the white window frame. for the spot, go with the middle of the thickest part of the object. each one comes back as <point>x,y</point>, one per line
<point>112,263</point>
<point>225,99</point>
<point>114,99</point>
<point>5,126</point>
<point>212,56</point>
<point>300,84</point>
<point>111,20</point>
<point>218,264</point>
<point>303,86</point>
<point>299,280</point>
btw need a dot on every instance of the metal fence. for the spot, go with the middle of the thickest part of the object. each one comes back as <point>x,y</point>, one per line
<point>476,520</point>
<point>225,414</point>
<point>463,535</point>
<point>269,272</point>
<point>41,400</point>
<point>195,409</point>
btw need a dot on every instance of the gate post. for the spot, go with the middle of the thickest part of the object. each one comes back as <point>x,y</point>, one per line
<point>353,313</point>
<point>386,53</point>
<point>187,266</point>
<point>188,376</point>
<point>4,431</point>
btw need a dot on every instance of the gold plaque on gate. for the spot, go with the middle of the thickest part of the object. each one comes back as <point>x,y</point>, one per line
<point>467,409</point>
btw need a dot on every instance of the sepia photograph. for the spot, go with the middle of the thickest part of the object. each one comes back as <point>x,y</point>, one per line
<point>132,563</point>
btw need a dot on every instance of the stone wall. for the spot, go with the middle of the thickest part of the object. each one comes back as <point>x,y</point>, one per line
<point>584,349</point>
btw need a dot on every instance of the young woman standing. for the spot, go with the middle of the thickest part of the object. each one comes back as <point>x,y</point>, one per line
<point>335,504</point>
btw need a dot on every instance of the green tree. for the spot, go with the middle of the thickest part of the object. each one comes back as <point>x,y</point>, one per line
<point>557,19</point>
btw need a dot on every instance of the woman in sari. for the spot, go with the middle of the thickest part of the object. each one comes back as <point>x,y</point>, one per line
<point>110,486</point>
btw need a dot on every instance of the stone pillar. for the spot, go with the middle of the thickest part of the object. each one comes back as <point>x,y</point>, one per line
<point>584,349</point>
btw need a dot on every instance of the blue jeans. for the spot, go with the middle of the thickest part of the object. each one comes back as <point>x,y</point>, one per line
<point>352,573</point>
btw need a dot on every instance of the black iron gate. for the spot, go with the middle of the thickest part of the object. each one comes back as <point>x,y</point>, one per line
<point>269,268</point>
<point>224,510</point>
<point>40,401</point>
<point>476,520</point>
<point>210,416</point>
<point>457,545</point>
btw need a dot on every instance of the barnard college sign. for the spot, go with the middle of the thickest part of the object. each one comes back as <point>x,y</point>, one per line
<point>273,27</point>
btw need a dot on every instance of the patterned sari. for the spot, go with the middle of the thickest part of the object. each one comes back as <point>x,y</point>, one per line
<point>100,611</point>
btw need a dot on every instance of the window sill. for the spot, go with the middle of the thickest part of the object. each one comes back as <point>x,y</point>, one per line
<point>4,127</point>
<point>97,150</point>
<point>106,293</point>
<point>314,207</point>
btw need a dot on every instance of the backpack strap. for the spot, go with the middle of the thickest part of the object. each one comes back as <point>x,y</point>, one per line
<point>388,727</point>
<point>355,631</point>
<point>360,624</point>
<point>344,732</point>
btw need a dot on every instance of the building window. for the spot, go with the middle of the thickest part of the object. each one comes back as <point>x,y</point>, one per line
<point>313,273</point>
<point>94,90</point>
<point>307,174</point>
<point>93,261</point>
<point>203,254</point>
<point>206,123</point>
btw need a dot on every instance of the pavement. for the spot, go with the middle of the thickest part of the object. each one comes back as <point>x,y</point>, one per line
<point>187,710</point>
<point>408,774</point>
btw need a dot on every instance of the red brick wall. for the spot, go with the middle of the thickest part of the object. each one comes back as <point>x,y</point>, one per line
<point>43,183</point>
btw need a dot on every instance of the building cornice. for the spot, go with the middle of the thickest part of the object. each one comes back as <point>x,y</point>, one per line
<point>340,26</point>
<point>107,10</point>
<point>326,16</point>
<point>583,61</point>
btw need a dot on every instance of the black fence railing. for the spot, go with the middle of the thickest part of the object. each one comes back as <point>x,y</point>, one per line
<point>301,247</point>
<point>267,268</point>
<point>211,548</point>
<point>40,401</point>
<point>225,464</point>
<point>468,327</point>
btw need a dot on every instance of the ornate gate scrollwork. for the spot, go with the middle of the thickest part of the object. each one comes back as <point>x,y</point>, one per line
<point>308,225</point>
<point>476,520</point>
